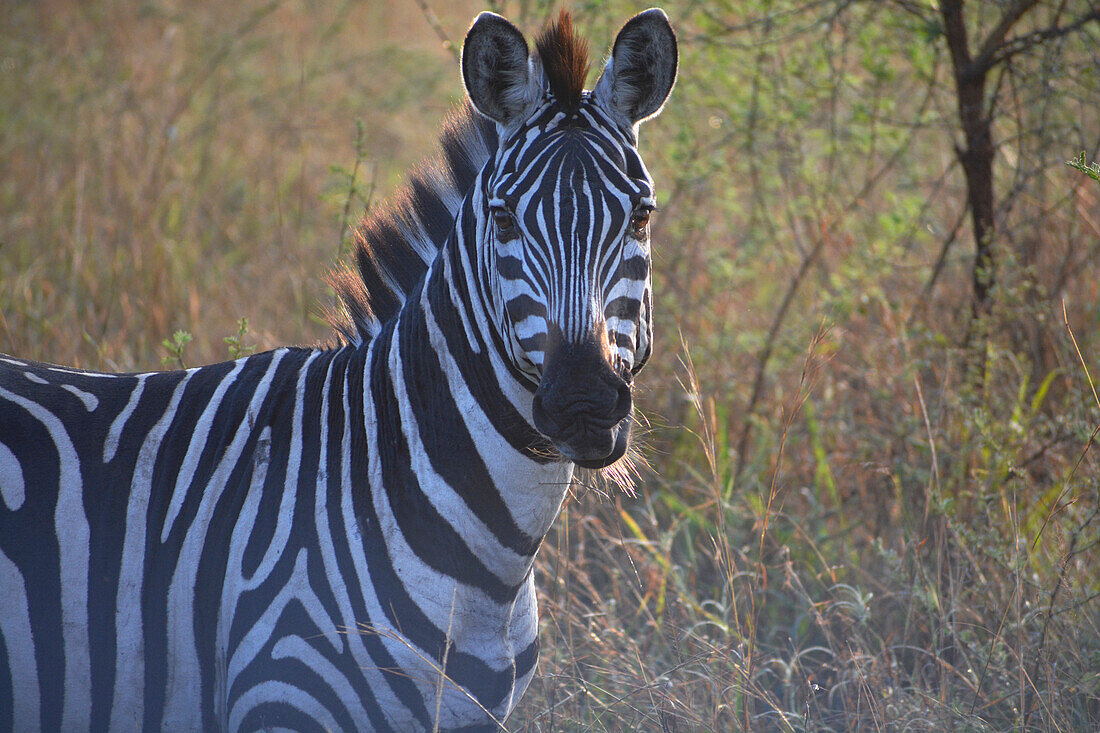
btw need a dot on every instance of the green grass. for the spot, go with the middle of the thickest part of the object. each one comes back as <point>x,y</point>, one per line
<point>859,517</point>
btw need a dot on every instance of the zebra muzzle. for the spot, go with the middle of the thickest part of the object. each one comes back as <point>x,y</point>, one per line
<point>583,405</point>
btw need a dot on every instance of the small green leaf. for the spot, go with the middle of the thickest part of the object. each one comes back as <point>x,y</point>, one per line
<point>1090,170</point>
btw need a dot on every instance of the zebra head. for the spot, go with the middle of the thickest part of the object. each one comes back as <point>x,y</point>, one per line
<point>564,218</point>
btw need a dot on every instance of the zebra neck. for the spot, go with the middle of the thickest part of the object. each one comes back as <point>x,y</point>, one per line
<point>455,443</point>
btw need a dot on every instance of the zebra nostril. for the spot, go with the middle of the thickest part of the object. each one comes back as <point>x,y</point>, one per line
<point>544,423</point>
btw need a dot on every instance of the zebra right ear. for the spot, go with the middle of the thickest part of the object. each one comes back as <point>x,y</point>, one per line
<point>641,72</point>
<point>496,70</point>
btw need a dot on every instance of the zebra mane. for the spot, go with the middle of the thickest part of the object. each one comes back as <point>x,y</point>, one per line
<point>564,57</point>
<point>395,244</point>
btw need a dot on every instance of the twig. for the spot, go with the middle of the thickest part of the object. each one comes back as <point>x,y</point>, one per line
<point>433,21</point>
<point>937,268</point>
<point>359,155</point>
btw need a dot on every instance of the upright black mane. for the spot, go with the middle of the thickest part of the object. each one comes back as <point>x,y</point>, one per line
<point>564,58</point>
<point>396,243</point>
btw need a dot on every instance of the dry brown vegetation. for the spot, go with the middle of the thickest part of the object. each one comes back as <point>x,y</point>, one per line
<point>873,506</point>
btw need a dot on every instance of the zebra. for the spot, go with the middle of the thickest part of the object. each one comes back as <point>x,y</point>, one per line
<point>342,538</point>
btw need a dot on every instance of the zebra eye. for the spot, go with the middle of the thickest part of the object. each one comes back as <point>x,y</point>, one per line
<point>504,223</point>
<point>639,221</point>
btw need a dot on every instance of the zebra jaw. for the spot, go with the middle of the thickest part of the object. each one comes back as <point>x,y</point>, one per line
<point>618,450</point>
<point>589,449</point>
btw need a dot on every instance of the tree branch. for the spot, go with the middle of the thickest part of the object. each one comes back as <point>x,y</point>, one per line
<point>1019,44</point>
<point>993,42</point>
<point>954,30</point>
<point>937,268</point>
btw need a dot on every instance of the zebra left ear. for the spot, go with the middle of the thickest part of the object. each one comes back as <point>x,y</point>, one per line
<point>642,69</point>
<point>496,70</point>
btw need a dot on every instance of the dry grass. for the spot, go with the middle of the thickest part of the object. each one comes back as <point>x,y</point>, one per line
<point>170,168</point>
<point>871,539</point>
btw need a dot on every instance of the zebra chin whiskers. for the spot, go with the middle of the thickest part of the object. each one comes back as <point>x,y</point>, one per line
<point>624,474</point>
<point>548,452</point>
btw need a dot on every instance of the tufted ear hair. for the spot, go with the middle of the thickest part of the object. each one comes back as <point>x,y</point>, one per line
<point>641,71</point>
<point>497,70</point>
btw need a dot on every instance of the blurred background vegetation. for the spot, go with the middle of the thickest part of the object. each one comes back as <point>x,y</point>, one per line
<point>874,495</point>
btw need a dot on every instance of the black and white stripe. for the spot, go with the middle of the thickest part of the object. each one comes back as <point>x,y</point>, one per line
<point>342,539</point>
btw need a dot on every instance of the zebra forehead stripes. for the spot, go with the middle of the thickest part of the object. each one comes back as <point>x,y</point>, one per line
<point>570,206</point>
<point>572,264</point>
